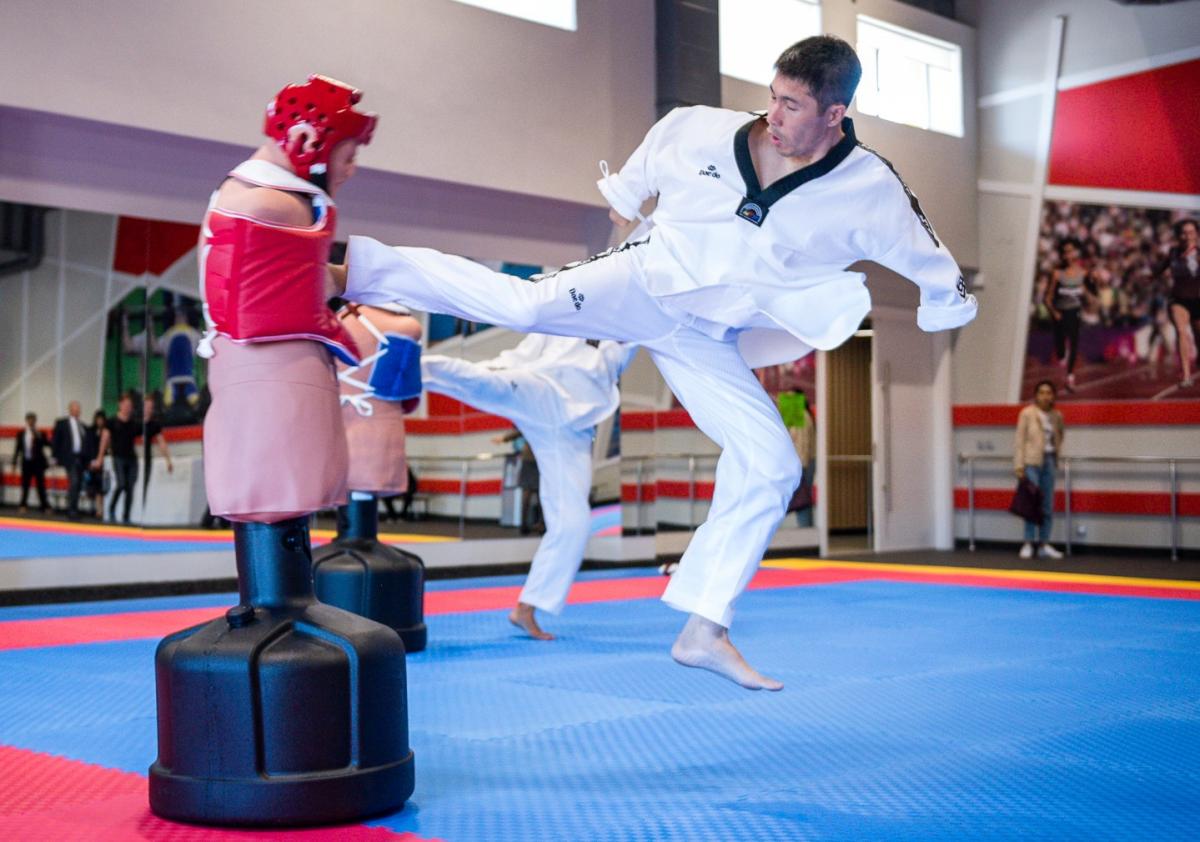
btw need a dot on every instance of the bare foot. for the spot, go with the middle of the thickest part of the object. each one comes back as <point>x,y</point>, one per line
<point>522,617</point>
<point>705,645</point>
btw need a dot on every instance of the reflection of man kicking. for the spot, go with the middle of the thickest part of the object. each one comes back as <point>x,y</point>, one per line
<point>757,219</point>
<point>555,390</point>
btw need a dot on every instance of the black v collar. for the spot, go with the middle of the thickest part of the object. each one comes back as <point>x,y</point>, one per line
<point>757,202</point>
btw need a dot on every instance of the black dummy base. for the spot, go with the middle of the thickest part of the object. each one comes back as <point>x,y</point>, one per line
<point>358,573</point>
<point>284,712</point>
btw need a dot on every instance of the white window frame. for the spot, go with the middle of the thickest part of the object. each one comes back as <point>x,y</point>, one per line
<point>921,106</point>
<point>754,32</point>
<point>560,14</point>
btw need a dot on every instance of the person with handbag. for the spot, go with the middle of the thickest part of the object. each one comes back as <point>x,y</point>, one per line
<point>1036,451</point>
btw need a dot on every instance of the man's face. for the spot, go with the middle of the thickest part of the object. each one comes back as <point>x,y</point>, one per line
<point>125,407</point>
<point>795,122</point>
<point>342,165</point>
<point>73,409</point>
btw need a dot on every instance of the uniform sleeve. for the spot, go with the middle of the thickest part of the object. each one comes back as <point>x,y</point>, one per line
<point>625,191</point>
<point>917,254</point>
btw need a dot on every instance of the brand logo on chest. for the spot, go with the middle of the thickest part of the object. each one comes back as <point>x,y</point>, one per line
<point>710,172</point>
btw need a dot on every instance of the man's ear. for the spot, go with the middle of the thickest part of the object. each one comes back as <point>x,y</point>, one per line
<point>834,114</point>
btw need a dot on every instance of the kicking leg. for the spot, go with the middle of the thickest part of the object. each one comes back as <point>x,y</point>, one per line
<point>600,298</point>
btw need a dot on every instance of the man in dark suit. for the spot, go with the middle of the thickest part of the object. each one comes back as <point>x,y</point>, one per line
<point>69,447</point>
<point>30,454</point>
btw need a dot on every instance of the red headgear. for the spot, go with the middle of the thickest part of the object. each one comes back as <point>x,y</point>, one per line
<point>323,109</point>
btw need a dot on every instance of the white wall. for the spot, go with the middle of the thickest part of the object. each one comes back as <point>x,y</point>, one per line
<point>1014,38</point>
<point>465,95</point>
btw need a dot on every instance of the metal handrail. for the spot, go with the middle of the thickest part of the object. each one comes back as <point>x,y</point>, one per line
<point>464,473</point>
<point>1172,463</point>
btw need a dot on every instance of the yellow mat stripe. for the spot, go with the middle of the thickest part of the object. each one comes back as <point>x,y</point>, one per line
<point>940,570</point>
<point>206,535</point>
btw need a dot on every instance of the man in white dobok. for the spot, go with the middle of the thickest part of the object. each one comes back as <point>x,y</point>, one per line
<point>758,218</point>
<point>555,390</point>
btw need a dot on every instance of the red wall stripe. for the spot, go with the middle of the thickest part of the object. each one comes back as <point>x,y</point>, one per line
<point>1100,414</point>
<point>1091,502</point>
<point>444,426</point>
<point>53,483</point>
<point>475,487</point>
<point>1135,132</point>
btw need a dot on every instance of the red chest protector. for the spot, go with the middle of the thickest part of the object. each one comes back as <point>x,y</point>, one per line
<point>265,282</point>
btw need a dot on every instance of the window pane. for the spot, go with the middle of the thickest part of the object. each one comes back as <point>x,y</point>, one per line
<point>909,77</point>
<point>754,33</point>
<point>559,13</point>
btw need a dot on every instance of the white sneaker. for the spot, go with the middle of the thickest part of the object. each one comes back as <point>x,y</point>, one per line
<point>1048,551</point>
<point>1026,550</point>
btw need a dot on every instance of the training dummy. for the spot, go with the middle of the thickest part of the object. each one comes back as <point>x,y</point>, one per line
<point>555,390</point>
<point>285,711</point>
<point>757,220</point>
<point>356,571</point>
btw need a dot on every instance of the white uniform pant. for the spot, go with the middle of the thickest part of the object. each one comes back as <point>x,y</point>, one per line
<point>564,460</point>
<point>604,298</point>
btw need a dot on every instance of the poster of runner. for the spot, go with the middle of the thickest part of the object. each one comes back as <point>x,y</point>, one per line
<point>1116,304</point>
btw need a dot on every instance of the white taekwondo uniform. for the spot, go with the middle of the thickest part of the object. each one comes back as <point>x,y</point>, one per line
<point>555,390</point>
<point>732,276</point>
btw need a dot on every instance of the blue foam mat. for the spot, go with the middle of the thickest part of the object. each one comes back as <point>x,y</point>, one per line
<point>911,712</point>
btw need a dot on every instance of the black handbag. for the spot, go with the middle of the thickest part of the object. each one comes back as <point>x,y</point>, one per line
<point>1027,502</point>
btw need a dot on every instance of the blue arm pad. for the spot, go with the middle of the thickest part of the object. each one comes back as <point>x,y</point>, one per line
<point>397,374</point>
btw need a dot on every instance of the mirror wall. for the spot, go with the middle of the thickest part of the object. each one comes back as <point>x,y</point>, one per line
<point>100,323</point>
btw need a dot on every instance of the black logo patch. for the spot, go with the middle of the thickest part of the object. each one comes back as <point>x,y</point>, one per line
<point>711,172</point>
<point>752,212</point>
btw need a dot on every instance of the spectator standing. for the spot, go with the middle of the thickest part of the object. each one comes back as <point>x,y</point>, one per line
<point>68,445</point>
<point>1036,451</point>
<point>124,430</point>
<point>802,428</point>
<point>99,442</point>
<point>30,454</point>
<point>152,436</point>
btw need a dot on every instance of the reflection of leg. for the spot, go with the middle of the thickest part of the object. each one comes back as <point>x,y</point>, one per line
<point>804,517</point>
<point>564,460</point>
<point>756,475</point>
<point>601,299</point>
<point>43,500</point>
<point>74,481</point>
<point>26,479</point>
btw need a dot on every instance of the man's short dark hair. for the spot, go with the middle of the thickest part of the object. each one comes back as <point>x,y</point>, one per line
<point>30,416</point>
<point>827,64</point>
<point>1042,383</point>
